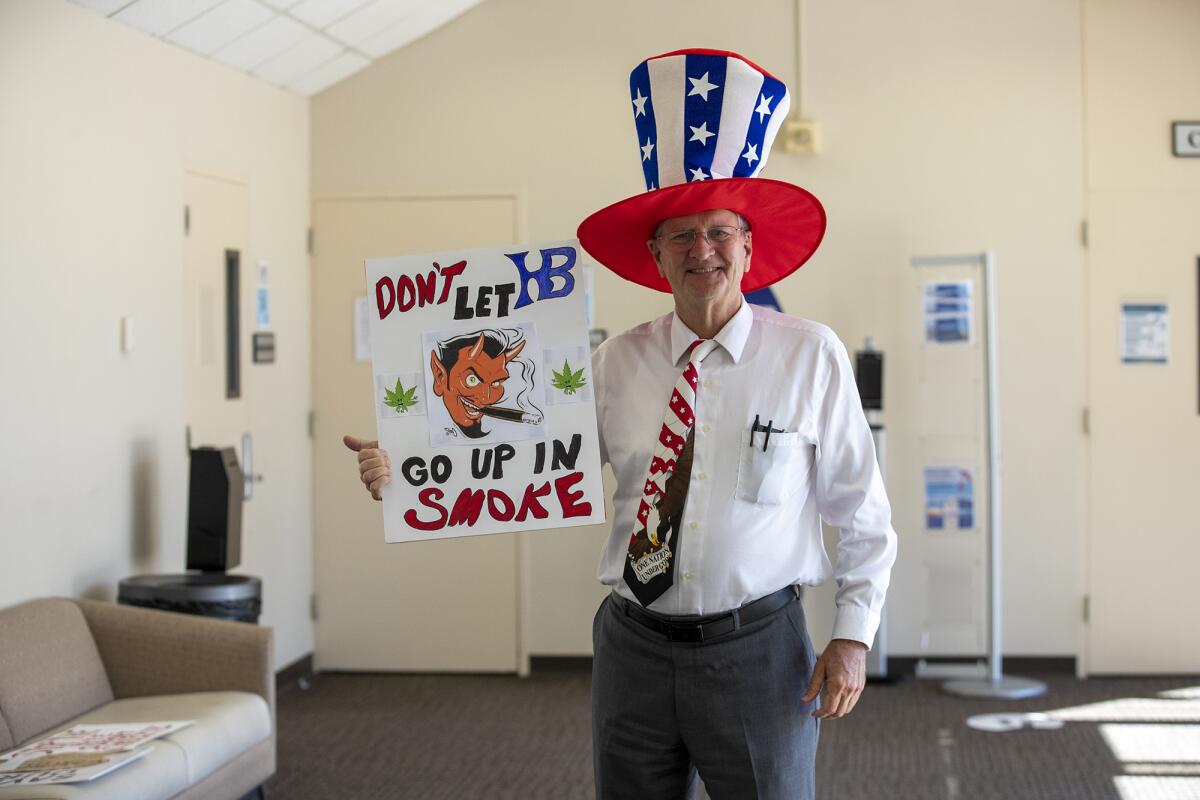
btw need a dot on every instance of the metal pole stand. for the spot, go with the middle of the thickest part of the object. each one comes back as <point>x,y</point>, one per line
<point>994,683</point>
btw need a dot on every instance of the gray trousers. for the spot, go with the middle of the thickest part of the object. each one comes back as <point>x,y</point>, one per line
<point>730,706</point>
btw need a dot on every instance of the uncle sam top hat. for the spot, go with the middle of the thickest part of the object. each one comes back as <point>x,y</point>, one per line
<point>705,123</point>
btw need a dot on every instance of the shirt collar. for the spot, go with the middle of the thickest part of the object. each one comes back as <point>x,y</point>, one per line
<point>732,337</point>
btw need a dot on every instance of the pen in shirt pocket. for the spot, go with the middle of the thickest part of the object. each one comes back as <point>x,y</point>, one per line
<point>765,430</point>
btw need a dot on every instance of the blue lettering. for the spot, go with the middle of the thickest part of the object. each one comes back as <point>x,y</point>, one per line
<point>545,275</point>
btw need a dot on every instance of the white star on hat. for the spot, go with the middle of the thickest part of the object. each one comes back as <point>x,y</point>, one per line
<point>764,106</point>
<point>751,154</point>
<point>701,134</point>
<point>701,86</point>
<point>647,149</point>
<point>640,102</point>
<point>698,174</point>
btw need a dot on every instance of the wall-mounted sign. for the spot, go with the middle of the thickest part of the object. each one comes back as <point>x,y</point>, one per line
<point>1185,138</point>
<point>1145,333</point>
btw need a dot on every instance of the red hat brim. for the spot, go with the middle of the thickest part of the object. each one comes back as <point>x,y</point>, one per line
<point>788,224</point>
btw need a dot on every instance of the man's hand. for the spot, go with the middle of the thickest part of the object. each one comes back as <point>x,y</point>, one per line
<point>842,668</point>
<point>374,466</point>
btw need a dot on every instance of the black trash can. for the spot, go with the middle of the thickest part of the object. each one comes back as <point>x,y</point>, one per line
<point>207,594</point>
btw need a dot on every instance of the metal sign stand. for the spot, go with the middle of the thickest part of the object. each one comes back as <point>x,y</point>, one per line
<point>996,684</point>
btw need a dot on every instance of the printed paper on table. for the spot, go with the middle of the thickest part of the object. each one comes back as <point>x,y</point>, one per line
<point>483,391</point>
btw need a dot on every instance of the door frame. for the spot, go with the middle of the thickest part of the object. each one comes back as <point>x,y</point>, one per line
<point>520,235</point>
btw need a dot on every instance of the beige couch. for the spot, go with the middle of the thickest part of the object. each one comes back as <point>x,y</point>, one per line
<point>73,661</point>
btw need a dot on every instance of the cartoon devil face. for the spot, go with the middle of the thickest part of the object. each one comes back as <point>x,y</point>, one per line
<point>470,379</point>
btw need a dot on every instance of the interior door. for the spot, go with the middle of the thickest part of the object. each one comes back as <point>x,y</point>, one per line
<point>1144,543</point>
<point>216,310</point>
<point>421,606</point>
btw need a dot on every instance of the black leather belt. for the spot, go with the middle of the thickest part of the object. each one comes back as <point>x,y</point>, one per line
<point>702,629</point>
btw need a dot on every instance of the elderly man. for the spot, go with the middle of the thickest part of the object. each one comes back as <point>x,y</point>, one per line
<point>702,656</point>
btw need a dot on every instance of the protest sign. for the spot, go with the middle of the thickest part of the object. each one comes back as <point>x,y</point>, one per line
<point>483,392</point>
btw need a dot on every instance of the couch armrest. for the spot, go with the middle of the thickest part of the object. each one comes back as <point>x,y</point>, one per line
<point>150,652</point>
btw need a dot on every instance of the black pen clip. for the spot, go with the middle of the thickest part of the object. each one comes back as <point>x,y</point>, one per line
<point>755,428</point>
<point>767,436</point>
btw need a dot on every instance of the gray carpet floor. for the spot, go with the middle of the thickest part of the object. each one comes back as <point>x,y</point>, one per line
<point>452,736</point>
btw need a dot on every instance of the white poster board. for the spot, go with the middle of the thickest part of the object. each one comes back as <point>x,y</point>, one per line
<point>483,392</point>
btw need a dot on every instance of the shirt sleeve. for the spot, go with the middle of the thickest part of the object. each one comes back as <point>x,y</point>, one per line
<point>850,496</point>
<point>598,386</point>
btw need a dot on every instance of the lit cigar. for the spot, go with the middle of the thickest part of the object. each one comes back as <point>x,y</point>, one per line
<point>510,414</point>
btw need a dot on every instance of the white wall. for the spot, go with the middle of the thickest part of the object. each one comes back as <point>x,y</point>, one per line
<point>948,127</point>
<point>99,124</point>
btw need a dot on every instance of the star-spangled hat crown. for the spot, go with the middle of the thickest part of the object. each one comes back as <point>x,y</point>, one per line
<point>704,114</point>
<point>705,122</point>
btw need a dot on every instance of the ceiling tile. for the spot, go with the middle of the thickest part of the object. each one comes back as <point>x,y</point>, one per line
<point>329,73</point>
<point>372,19</point>
<point>160,16</point>
<point>320,13</point>
<point>221,25</point>
<point>309,53</point>
<point>105,7</point>
<point>413,27</point>
<point>261,43</point>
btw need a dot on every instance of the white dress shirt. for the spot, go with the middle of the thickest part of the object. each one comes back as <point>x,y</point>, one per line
<point>752,521</point>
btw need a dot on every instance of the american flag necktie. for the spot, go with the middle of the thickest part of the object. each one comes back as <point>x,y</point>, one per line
<point>654,545</point>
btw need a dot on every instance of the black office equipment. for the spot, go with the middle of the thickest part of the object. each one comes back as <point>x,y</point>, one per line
<point>215,495</point>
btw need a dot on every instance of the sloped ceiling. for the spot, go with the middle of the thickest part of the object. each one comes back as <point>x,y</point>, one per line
<point>302,45</point>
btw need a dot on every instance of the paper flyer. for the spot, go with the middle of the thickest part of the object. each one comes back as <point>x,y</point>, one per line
<point>949,313</point>
<point>949,498</point>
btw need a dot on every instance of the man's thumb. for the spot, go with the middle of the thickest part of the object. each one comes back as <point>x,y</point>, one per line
<point>814,685</point>
<point>357,444</point>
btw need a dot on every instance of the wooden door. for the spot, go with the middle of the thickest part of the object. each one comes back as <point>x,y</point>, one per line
<point>423,606</point>
<point>218,292</point>
<point>1144,538</point>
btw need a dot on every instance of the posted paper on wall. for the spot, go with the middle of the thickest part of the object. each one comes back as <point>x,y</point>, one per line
<point>1145,333</point>
<point>483,392</point>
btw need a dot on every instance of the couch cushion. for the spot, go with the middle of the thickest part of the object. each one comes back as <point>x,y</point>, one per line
<point>6,739</point>
<point>50,670</point>
<point>227,724</point>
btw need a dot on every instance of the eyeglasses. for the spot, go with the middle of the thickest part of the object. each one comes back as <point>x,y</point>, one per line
<point>717,236</point>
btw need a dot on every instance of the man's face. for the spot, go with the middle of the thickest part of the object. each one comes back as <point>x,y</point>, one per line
<point>703,274</point>
<point>475,381</point>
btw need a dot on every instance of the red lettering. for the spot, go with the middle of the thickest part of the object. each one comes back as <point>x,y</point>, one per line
<point>504,513</point>
<point>467,508</point>
<point>530,504</point>
<point>429,498</point>
<point>568,499</point>
<point>408,293</point>
<point>425,287</point>
<point>385,308</point>
<point>449,273</point>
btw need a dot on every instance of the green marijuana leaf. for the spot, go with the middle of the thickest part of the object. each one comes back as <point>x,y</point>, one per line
<point>569,382</point>
<point>400,398</point>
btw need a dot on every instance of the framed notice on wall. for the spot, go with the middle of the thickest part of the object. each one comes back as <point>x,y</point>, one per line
<point>1145,332</point>
<point>483,391</point>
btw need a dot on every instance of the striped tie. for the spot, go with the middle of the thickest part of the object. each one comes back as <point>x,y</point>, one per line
<point>650,568</point>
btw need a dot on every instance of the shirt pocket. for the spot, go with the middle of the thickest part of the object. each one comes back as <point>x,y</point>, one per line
<point>772,476</point>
